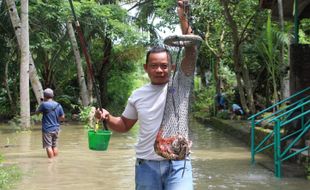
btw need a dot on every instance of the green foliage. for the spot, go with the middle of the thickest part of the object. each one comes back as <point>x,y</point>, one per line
<point>110,23</point>
<point>54,59</point>
<point>124,76</point>
<point>268,47</point>
<point>69,104</point>
<point>228,79</point>
<point>9,72</point>
<point>9,175</point>
<point>204,98</point>
<point>108,20</point>
<point>35,119</point>
<point>5,106</point>
<point>166,10</point>
<point>46,28</point>
<point>304,31</point>
<point>203,104</point>
<point>53,56</point>
<point>214,24</point>
<point>84,116</point>
<point>224,114</point>
<point>84,113</point>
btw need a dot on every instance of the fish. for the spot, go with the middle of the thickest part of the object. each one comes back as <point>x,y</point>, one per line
<point>176,147</point>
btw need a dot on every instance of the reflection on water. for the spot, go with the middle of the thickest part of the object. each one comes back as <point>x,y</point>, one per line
<point>219,162</point>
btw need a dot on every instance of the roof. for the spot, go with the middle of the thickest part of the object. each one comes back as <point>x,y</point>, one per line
<point>288,8</point>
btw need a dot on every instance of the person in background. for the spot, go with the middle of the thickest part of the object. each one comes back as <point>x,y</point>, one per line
<point>53,114</point>
<point>221,101</point>
<point>147,104</point>
<point>237,110</point>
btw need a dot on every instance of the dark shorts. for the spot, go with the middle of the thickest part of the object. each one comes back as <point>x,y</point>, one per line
<point>50,139</point>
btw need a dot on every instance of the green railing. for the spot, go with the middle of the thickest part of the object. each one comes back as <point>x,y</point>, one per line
<point>282,115</point>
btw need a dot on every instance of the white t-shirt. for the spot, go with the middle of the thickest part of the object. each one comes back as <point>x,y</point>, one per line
<point>147,104</point>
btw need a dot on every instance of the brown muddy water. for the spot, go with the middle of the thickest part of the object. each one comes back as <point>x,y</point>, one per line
<point>219,162</point>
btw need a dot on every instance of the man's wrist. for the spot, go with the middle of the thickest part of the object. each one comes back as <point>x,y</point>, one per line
<point>183,19</point>
<point>107,118</point>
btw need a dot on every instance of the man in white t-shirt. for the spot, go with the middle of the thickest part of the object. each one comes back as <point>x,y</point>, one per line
<point>147,105</point>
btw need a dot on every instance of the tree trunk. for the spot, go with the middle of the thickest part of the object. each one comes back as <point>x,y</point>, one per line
<point>240,70</point>
<point>238,73</point>
<point>24,68</point>
<point>218,53</point>
<point>47,73</point>
<point>201,69</point>
<point>34,78</point>
<point>236,54</point>
<point>217,79</point>
<point>80,71</point>
<point>282,54</point>
<point>249,88</point>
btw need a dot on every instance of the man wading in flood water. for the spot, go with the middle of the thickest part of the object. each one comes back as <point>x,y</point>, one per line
<point>52,115</point>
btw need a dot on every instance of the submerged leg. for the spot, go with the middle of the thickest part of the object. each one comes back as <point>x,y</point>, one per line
<point>50,152</point>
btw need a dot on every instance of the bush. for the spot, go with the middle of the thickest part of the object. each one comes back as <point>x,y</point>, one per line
<point>203,104</point>
<point>86,115</point>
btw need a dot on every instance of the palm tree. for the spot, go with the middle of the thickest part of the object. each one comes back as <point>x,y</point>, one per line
<point>145,18</point>
<point>268,47</point>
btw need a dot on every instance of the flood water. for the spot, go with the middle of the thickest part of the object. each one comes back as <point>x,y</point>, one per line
<point>219,162</point>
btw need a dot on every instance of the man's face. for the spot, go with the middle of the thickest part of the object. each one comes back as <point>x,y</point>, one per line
<point>158,68</point>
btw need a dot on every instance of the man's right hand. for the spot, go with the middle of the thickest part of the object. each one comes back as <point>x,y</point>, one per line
<point>102,114</point>
<point>183,11</point>
<point>183,8</point>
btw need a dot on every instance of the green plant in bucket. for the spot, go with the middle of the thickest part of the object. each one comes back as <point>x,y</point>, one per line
<point>98,137</point>
<point>87,116</point>
<point>96,126</point>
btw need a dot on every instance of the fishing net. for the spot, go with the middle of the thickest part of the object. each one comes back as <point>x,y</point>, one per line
<point>172,140</point>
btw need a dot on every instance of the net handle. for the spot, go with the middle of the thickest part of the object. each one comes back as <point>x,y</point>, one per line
<point>183,40</point>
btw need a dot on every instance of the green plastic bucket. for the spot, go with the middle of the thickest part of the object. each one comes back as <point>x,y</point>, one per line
<point>99,140</point>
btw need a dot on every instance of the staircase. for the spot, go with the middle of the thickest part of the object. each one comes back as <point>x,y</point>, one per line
<point>290,125</point>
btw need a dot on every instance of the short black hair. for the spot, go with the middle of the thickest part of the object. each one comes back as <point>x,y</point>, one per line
<point>158,49</point>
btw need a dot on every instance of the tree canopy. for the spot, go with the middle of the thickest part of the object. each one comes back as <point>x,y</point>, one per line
<point>232,59</point>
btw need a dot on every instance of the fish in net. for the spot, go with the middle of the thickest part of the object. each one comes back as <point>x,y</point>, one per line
<point>172,141</point>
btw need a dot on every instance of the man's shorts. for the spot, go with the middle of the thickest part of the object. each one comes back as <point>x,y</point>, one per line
<point>49,139</point>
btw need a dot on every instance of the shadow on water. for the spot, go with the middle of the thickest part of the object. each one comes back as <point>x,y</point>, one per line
<point>219,162</point>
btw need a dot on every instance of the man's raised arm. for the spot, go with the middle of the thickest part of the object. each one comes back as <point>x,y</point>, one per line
<point>189,60</point>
